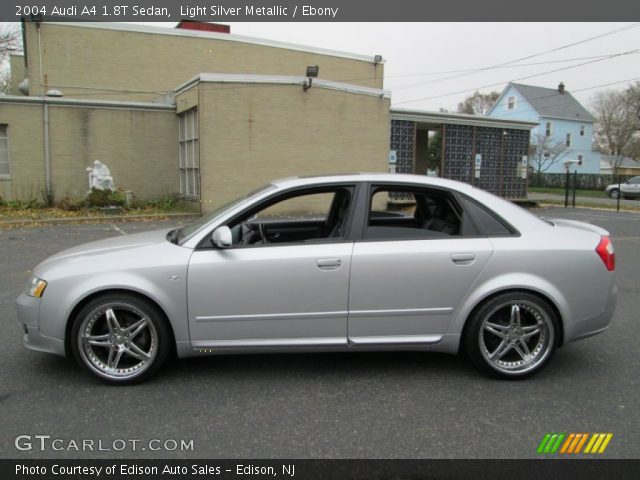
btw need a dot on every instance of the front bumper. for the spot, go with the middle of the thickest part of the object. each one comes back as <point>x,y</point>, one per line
<point>34,340</point>
<point>28,310</point>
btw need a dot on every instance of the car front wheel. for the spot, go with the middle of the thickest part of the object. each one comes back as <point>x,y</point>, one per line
<point>120,338</point>
<point>614,193</point>
<point>512,335</point>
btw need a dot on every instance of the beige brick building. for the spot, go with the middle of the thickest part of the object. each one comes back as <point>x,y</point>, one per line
<point>205,114</point>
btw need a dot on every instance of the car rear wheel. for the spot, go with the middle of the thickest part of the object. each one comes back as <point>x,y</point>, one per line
<point>614,193</point>
<point>512,335</point>
<point>120,338</point>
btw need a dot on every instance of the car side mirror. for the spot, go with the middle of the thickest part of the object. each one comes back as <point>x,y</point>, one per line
<point>221,237</point>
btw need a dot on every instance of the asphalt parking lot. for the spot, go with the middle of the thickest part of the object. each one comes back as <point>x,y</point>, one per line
<point>365,405</point>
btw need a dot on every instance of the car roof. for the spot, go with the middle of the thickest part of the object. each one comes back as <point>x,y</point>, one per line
<point>372,177</point>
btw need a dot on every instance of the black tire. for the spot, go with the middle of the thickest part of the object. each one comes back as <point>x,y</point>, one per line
<point>614,193</point>
<point>512,335</point>
<point>129,350</point>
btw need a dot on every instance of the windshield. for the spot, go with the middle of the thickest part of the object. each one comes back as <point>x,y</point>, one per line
<point>192,228</point>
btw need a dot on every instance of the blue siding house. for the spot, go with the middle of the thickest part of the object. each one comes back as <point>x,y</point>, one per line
<point>559,116</point>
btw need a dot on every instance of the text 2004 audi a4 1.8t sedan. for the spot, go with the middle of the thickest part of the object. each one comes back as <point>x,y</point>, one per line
<point>336,263</point>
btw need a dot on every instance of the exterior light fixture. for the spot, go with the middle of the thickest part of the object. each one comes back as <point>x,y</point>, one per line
<point>312,72</point>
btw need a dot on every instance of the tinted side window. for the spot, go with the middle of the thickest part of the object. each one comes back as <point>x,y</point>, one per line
<point>411,214</point>
<point>314,215</point>
<point>491,225</point>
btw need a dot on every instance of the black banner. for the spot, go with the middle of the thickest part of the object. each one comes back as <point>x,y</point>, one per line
<point>319,10</point>
<point>319,469</point>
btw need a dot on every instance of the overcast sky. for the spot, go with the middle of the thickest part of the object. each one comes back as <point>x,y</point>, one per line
<point>417,53</point>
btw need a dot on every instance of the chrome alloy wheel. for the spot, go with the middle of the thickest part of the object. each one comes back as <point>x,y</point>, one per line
<point>117,341</point>
<point>516,336</point>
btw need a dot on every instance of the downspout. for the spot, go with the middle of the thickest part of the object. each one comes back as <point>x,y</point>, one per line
<point>45,121</point>
<point>47,157</point>
<point>40,59</point>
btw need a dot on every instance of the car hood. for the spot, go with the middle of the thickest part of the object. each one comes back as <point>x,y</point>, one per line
<point>108,245</point>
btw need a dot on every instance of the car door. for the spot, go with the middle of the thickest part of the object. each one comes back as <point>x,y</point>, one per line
<point>406,283</point>
<point>283,294</point>
<point>632,187</point>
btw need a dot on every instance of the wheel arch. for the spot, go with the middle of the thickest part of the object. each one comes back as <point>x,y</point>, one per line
<point>93,295</point>
<point>489,296</point>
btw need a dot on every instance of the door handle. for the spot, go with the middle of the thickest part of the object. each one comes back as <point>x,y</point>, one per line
<point>463,258</point>
<point>328,263</point>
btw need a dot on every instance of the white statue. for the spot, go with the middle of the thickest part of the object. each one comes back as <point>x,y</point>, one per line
<point>100,177</point>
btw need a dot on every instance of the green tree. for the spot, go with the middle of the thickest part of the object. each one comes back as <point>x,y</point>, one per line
<point>434,151</point>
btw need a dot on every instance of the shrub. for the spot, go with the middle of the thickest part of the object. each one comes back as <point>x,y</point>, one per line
<point>168,202</point>
<point>70,204</point>
<point>105,198</point>
<point>21,204</point>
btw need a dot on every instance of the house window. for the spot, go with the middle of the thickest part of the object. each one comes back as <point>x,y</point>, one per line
<point>582,130</point>
<point>568,140</point>
<point>511,103</point>
<point>579,159</point>
<point>189,153</point>
<point>4,152</point>
<point>547,129</point>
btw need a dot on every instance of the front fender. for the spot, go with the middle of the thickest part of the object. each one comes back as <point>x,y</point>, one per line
<point>64,295</point>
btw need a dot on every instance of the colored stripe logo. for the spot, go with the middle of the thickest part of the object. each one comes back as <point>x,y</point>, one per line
<point>573,443</point>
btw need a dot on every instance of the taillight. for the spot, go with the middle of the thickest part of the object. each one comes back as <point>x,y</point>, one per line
<point>606,253</point>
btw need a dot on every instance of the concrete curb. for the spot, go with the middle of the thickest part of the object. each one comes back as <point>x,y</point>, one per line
<point>101,219</point>
<point>588,207</point>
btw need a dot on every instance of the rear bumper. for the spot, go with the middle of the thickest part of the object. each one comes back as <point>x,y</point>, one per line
<point>595,324</point>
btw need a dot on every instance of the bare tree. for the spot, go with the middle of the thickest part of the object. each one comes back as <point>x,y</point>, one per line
<point>617,125</point>
<point>544,152</point>
<point>478,103</point>
<point>10,42</point>
<point>633,93</point>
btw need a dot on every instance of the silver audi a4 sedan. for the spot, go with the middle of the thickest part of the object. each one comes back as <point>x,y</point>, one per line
<point>334,263</point>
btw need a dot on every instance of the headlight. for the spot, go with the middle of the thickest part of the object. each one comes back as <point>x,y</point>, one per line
<point>36,287</point>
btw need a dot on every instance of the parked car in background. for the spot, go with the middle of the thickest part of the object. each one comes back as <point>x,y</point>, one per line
<point>334,263</point>
<point>628,189</point>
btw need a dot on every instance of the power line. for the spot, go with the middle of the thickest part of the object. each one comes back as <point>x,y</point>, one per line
<point>555,94</point>
<point>528,57</point>
<point>406,75</point>
<point>563,60</point>
<point>596,57</point>
<point>520,78</point>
